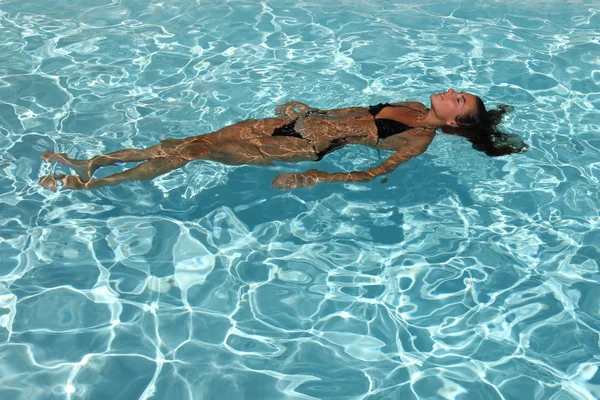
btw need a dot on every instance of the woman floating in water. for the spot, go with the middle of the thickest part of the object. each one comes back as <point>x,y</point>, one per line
<point>303,133</point>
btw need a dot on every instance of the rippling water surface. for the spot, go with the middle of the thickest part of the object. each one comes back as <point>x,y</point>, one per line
<point>462,277</point>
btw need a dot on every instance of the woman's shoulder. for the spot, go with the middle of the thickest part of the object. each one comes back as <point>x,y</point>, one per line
<point>411,104</point>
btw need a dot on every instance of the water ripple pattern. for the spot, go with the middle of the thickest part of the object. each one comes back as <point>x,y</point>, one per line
<point>462,277</point>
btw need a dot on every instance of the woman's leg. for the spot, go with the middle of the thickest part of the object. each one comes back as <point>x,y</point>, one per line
<point>244,130</point>
<point>145,171</point>
<point>240,131</point>
<point>86,168</point>
<point>259,151</point>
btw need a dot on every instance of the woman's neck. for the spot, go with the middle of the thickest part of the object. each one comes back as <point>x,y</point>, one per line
<point>430,120</point>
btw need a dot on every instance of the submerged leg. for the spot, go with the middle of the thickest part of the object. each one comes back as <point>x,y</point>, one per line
<point>145,171</point>
<point>261,151</point>
<point>81,167</point>
<point>86,168</point>
<point>257,151</point>
<point>241,131</point>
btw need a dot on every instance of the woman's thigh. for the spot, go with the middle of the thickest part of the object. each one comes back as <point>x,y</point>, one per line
<point>261,151</point>
<point>244,130</point>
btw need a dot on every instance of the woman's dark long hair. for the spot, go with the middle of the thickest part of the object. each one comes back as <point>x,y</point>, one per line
<point>480,128</point>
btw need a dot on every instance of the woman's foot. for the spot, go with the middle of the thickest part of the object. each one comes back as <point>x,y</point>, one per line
<point>50,182</point>
<point>81,167</point>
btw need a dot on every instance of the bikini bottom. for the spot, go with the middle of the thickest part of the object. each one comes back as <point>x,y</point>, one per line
<point>290,131</point>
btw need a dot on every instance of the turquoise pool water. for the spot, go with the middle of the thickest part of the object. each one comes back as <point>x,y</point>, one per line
<point>462,277</point>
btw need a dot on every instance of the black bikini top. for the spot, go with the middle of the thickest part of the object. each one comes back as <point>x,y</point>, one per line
<point>387,127</point>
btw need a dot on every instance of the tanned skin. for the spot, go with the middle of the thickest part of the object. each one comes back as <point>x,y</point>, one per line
<point>252,142</point>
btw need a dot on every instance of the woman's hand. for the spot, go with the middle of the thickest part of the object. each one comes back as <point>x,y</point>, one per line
<point>293,109</point>
<point>292,181</point>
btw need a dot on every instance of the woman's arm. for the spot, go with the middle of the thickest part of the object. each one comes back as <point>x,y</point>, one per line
<point>412,147</point>
<point>293,109</point>
<point>344,111</point>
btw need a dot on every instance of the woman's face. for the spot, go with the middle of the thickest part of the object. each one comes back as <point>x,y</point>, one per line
<point>449,105</point>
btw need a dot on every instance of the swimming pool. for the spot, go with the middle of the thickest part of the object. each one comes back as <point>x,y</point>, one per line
<point>462,277</point>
